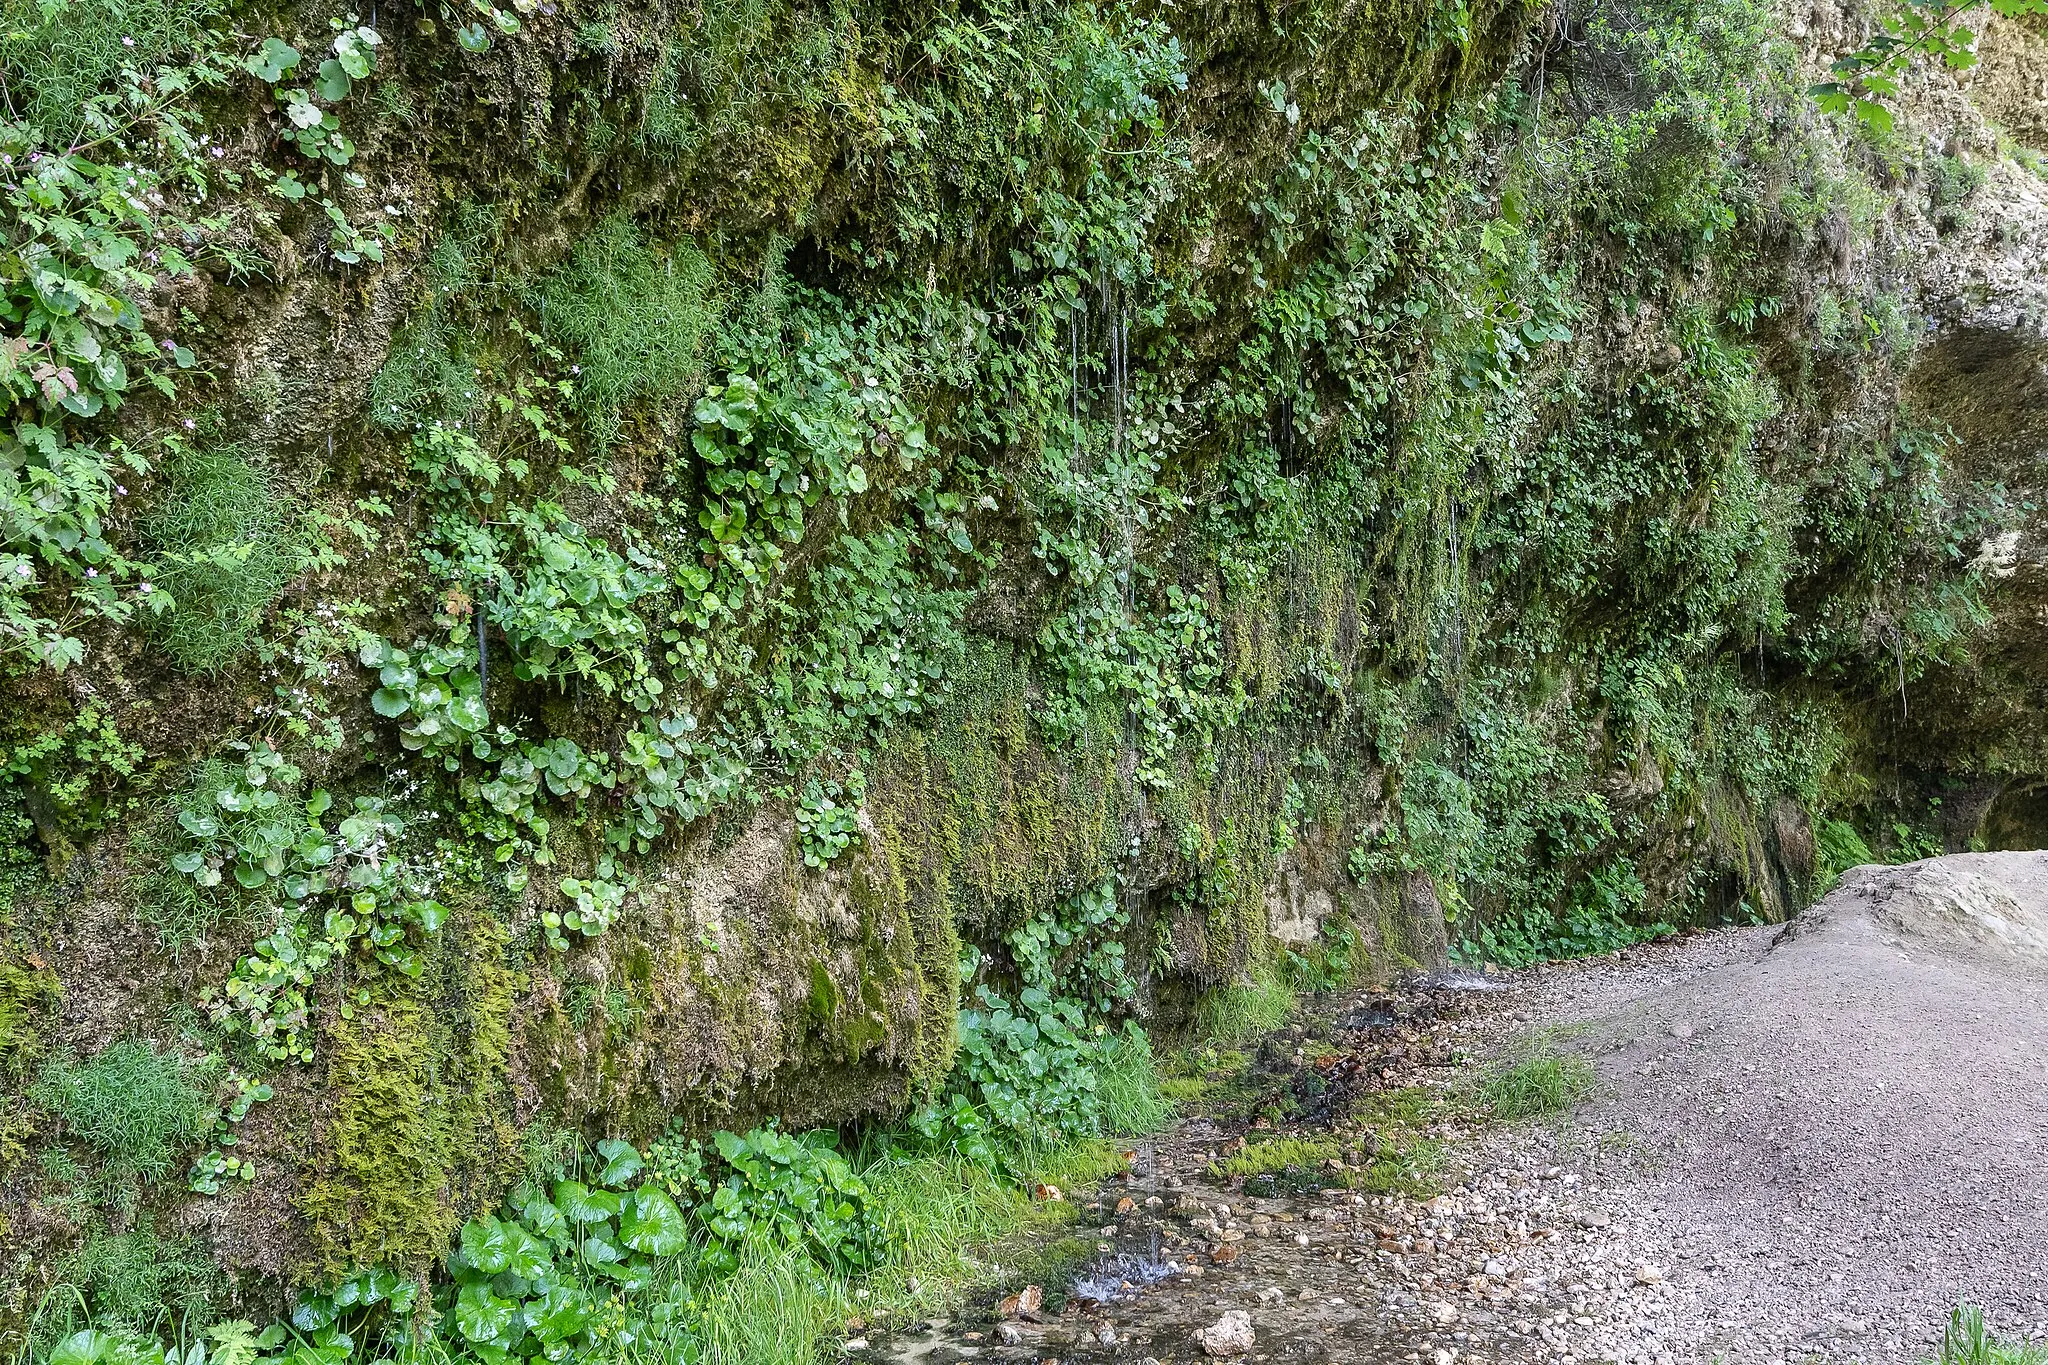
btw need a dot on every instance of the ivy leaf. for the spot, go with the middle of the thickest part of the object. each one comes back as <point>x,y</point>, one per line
<point>655,1225</point>
<point>622,1162</point>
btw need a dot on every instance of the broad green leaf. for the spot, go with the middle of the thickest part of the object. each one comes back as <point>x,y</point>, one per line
<point>85,1348</point>
<point>654,1224</point>
<point>486,1244</point>
<point>622,1162</point>
<point>581,1204</point>
<point>483,1317</point>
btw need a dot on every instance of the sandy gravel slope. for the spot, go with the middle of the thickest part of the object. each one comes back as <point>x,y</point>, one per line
<point>1834,1132</point>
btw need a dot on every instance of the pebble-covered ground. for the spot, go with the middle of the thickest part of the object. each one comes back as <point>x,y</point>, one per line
<point>1801,1149</point>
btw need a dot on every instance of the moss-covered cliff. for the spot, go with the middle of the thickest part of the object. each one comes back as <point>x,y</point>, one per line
<point>560,567</point>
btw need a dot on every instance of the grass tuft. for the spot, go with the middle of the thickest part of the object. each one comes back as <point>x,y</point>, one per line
<point>1129,1089</point>
<point>1968,1341</point>
<point>139,1108</point>
<point>775,1309</point>
<point>1245,1009</point>
<point>225,552</point>
<point>1545,1082</point>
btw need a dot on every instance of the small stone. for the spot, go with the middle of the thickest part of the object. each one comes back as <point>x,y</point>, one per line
<point>1029,1299</point>
<point>1049,1194</point>
<point>1649,1274</point>
<point>1009,1333</point>
<point>1682,1032</point>
<point>855,1344</point>
<point>1106,1336</point>
<point>1270,1294</point>
<point>1229,1335</point>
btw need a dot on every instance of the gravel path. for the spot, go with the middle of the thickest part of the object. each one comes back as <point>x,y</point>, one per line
<point>1805,1146</point>
<point>1835,1133</point>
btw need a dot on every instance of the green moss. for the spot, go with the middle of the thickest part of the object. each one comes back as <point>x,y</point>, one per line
<point>27,997</point>
<point>419,1137</point>
<point>382,1195</point>
<point>981,817</point>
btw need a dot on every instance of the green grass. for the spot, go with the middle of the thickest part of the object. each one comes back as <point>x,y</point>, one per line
<point>1245,1009</point>
<point>224,552</point>
<point>1544,1082</point>
<point>776,1309</point>
<point>960,1227</point>
<point>58,56</point>
<point>138,1107</point>
<point>1969,1341</point>
<point>1129,1087</point>
<point>634,316</point>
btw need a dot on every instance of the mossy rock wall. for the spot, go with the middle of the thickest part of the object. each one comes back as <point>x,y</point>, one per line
<point>761,498</point>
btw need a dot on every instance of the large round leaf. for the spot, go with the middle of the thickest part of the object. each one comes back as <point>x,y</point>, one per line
<point>487,1244</point>
<point>483,1317</point>
<point>622,1162</point>
<point>654,1224</point>
<point>581,1204</point>
<point>545,1219</point>
<point>526,1255</point>
<point>85,1348</point>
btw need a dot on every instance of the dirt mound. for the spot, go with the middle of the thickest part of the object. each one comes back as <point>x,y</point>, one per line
<point>1984,905</point>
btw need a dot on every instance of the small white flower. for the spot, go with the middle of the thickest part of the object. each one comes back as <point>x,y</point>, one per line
<point>92,573</point>
<point>127,42</point>
<point>146,588</point>
<point>190,425</point>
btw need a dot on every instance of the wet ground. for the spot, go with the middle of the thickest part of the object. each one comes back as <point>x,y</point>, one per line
<point>1392,1247</point>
